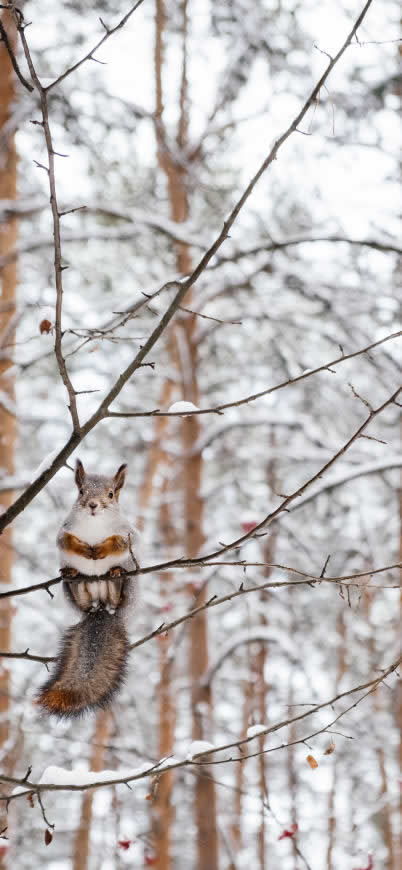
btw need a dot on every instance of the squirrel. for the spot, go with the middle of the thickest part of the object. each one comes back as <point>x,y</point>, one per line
<point>94,541</point>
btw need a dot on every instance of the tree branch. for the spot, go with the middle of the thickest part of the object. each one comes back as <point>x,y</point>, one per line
<point>252,398</point>
<point>214,601</point>
<point>58,268</point>
<point>163,765</point>
<point>89,55</point>
<point>5,39</point>
<point>383,247</point>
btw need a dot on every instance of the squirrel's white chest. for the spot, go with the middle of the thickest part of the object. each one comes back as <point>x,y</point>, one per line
<point>94,529</point>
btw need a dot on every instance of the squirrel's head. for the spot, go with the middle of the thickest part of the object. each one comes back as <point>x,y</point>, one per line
<point>97,493</point>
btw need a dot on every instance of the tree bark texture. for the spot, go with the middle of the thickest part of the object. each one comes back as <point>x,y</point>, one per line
<point>82,840</point>
<point>8,283</point>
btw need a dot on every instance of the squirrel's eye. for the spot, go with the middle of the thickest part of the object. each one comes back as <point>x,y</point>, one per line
<point>111,494</point>
<point>81,491</point>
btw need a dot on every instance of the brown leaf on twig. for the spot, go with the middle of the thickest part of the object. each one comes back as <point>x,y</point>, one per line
<point>48,837</point>
<point>45,326</point>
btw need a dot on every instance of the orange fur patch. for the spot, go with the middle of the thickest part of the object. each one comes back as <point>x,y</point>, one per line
<point>114,544</point>
<point>72,544</point>
<point>59,700</point>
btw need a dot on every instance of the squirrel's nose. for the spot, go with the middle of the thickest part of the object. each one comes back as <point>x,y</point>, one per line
<point>93,505</point>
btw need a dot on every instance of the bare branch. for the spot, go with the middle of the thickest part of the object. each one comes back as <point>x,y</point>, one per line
<point>29,787</point>
<point>58,268</point>
<point>27,655</point>
<point>4,38</point>
<point>383,247</point>
<point>89,55</point>
<point>252,398</point>
<point>214,600</point>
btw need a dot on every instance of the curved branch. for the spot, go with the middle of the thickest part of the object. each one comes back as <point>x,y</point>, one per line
<point>28,787</point>
<point>89,55</point>
<point>219,409</point>
<point>383,247</point>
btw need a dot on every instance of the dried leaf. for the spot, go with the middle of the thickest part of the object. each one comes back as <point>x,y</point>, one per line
<point>330,749</point>
<point>45,326</point>
<point>312,762</point>
<point>124,844</point>
<point>289,832</point>
<point>248,526</point>
<point>30,799</point>
<point>48,837</point>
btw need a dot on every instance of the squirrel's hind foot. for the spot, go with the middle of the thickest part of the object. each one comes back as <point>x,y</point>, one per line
<point>92,595</point>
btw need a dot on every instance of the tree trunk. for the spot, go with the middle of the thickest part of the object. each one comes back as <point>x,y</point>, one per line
<point>8,280</point>
<point>186,356</point>
<point>397,846</point>
<point>82,838</point>
<point>236,827</point>
<point>162,809</point>
<point>260,664</point>
<point>386,807</point>
<point>262,760</point>
<point>341,667</point>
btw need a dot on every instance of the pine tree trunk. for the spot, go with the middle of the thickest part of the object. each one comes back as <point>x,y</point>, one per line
<point>82,838</point>
<point>236,827</point>
<point>262,782</point>
<point>398,837</point>
<point>290,755</point>
<point>205,799</point>
<point>341,667</point>
<point>162,809</point>
<point>397,840</point>
<point>162,812</point>
<point>8,282</point>
<point>260,666</point>
<point>386,807</point>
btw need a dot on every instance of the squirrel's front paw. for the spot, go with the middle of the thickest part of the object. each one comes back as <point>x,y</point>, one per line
<point>68,571</point>
<point>117,571</point>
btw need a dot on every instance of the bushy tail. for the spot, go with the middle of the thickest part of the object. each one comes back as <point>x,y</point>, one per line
<point>90,668</point>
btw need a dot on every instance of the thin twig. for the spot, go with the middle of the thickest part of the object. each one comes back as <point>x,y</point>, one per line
<point>89,55</point>
<point>252,398</point>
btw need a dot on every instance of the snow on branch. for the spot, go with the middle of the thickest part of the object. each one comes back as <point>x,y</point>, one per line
<point>58,779</point>
<point>218,409</point>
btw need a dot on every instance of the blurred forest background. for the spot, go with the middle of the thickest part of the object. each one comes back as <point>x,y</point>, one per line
<point>156,137</point>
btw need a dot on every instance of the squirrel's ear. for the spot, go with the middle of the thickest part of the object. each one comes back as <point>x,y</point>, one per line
<point>120,477</point>
<point>79,473</point>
